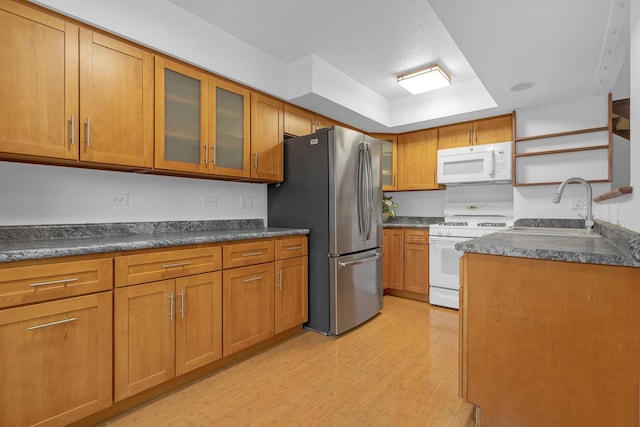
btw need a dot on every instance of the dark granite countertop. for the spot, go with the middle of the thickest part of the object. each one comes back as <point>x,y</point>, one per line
<point>617,246</point>
<point>18,243</point>
<point>412,221</point>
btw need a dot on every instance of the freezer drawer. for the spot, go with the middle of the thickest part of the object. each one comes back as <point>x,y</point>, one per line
<point>355,289</point>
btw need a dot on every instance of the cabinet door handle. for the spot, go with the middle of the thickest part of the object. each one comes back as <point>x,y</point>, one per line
<point>253,279</point>
<point>213,154</point>
<point>206,153</point>
<point>182,304</point>
<point>46,325</point>
<point>52,282</point>
<point>255,161</point>
<point>73,130</point>
<point>280,284</point>
<point>294,248</point>
<point>252,254</point>
<point>88,131</point>
<point>177,264</point>
<point>171,306</point>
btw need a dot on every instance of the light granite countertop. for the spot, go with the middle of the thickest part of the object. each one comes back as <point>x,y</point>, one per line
<point>412,222</point>
<point>617,246</point>
<point>19,243</point>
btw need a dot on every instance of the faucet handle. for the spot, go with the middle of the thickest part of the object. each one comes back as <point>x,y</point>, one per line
<point>588,222</point>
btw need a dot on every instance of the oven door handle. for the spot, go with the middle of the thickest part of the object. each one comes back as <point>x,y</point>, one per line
<point>452,239</point>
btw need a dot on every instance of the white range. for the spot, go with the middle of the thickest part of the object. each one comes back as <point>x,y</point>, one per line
<point>462,221</point>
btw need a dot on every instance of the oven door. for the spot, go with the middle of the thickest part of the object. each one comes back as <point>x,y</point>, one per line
<point>444,270</point>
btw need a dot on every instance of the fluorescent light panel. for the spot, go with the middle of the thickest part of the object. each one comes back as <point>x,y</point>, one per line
<point>430,78</point>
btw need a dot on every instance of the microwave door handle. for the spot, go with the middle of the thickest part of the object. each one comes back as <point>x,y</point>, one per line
<point>492,166</point>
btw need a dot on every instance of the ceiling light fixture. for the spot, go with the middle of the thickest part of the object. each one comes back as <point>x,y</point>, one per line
<point>424,80</point>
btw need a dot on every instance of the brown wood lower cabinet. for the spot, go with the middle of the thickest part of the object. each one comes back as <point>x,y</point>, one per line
<point>549,342</point>
<point>164,329</point>
<point>406,263</point>
<point>291,301</point>
<point>172,312</point>
<point>248,306</point>
<point>56,360</point>
<point>393,265</point>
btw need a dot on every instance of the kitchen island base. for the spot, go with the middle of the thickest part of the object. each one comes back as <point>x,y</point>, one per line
<point>549,342</point>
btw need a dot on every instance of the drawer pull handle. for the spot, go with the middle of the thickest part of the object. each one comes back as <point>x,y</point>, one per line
<point>252,279</point>
<point>53,282</point>
<point>294,248</point>
<point>177,264</point>
<point>416,236</point>
<point>252,254</point>
<point>46,325</point>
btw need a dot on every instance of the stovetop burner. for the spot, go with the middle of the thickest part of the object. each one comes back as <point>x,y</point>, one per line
<point>455,223</point>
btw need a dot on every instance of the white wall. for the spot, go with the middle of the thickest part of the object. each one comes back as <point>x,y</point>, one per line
<point>161,25</point>
<point>629,206</point>
<point>535,202</point>
<point>419,203</point>
<point>37,194</point>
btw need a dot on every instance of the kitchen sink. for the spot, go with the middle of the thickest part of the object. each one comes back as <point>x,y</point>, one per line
<point>551,231</point>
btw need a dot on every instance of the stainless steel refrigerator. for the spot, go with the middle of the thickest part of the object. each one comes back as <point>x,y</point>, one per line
<point>332,186</point>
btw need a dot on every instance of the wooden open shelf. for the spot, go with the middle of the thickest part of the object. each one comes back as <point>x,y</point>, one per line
<point>554,135</point>
<point>616,192</point>
<point>563,150</point>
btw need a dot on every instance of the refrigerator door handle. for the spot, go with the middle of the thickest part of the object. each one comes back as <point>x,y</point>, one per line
<point>370,191</point>
<point>360,193</point>
<point>359,261</point>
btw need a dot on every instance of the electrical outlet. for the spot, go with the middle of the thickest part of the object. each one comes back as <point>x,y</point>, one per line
<point>578,203</point>
<point>247,202</point>
<point>209,201</point>
<point>117,199</point>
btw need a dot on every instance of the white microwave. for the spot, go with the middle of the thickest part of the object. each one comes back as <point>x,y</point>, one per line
<point>485,163</point>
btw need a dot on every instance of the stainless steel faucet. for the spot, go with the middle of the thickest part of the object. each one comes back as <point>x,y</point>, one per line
<point>588,220</point>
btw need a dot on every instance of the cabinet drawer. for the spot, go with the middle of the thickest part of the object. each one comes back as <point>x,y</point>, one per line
<point>291,247</point>
<point>154,266</point>
<point>420,236</point>
<point>241,254</point>
<point>43,282</point>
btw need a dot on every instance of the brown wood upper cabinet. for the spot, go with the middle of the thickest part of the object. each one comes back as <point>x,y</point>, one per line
<point>116,98</point>
<point>299,122</point>
<point>417,152</point>
<point>202,123</point>
<point>389,160</point>
<point>485,131</point>
<point>267,138</point>
<point>72,93</point>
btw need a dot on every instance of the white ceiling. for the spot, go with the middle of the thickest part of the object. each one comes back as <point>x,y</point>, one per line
<point>338,50</point>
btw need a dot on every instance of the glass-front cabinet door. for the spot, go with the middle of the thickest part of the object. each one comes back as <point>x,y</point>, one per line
<point>230,130</point>
<point>181,117</point>
<point>389,161</point>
